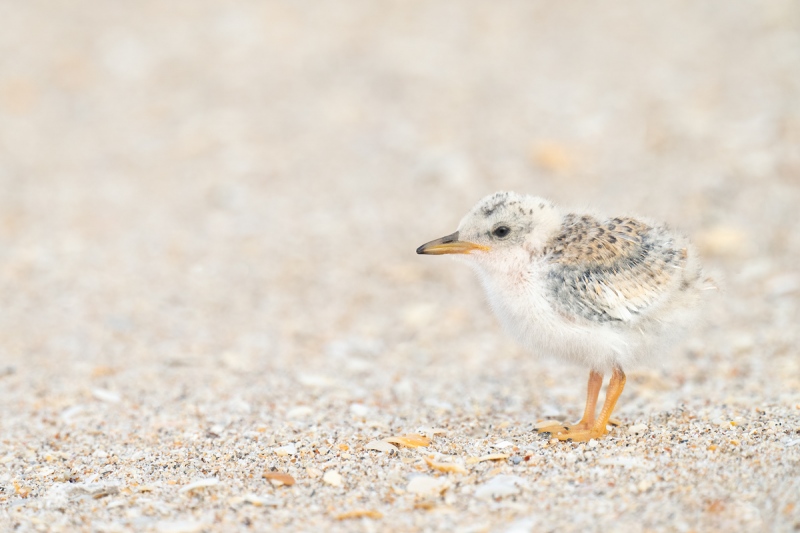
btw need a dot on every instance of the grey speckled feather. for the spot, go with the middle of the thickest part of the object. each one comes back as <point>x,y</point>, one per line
<point>614,270</point>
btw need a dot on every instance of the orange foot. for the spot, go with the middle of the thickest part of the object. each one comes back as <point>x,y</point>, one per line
<point>589,427</point>
<point>557,429</point>
<point>576,434</point>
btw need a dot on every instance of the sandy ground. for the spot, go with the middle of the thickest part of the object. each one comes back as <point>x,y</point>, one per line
<point>208,216</point>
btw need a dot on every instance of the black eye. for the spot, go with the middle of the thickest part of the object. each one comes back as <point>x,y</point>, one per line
<point>501,231</point>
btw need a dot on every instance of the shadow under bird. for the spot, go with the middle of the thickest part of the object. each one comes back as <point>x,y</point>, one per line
<point>607,293</point>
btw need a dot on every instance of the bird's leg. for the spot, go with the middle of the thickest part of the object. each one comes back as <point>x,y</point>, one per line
<point>598,428</point>
<point>592,392</point>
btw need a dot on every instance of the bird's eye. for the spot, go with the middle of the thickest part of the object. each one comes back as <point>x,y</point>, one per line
<point>501,232</point>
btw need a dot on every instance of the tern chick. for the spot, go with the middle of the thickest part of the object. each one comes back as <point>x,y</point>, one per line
<point>606,293</point>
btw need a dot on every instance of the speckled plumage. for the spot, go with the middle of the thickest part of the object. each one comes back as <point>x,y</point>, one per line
<point>614,270</point>
<point>604,292</point>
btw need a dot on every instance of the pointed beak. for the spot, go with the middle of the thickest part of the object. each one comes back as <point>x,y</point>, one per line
<point>450,245</point>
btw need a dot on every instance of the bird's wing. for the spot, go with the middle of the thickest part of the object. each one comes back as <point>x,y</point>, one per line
<point>612,270</point>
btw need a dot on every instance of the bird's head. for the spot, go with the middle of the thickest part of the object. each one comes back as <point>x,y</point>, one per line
<point>503,229</point>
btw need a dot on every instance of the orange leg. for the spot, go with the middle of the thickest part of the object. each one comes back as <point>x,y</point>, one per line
<point>586,422</point>
<point>598,428</point>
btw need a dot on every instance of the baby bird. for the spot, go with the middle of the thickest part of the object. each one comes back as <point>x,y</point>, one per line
<point>606,293</point>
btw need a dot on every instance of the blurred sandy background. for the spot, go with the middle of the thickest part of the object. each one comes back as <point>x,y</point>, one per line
<point>208,216</point>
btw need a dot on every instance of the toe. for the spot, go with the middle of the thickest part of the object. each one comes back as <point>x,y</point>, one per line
<point>555,428</point>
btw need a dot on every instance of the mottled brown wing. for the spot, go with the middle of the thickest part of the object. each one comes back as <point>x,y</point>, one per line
<point>612,270</point>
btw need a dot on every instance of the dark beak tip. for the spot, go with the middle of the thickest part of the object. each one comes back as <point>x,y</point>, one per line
<point>453,237</point>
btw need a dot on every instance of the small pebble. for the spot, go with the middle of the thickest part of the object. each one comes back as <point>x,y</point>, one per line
<point>381,446</point>
<point>200,484</point>
<point>289,449</point>
<point>106,395</point>
<point>501,486</point>
<point>332,478</point>
<point>637,429</point>
<point>427,485</point>
<point>358,409</point>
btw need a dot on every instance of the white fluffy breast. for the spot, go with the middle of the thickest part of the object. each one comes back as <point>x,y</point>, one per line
<point>523,307</point>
